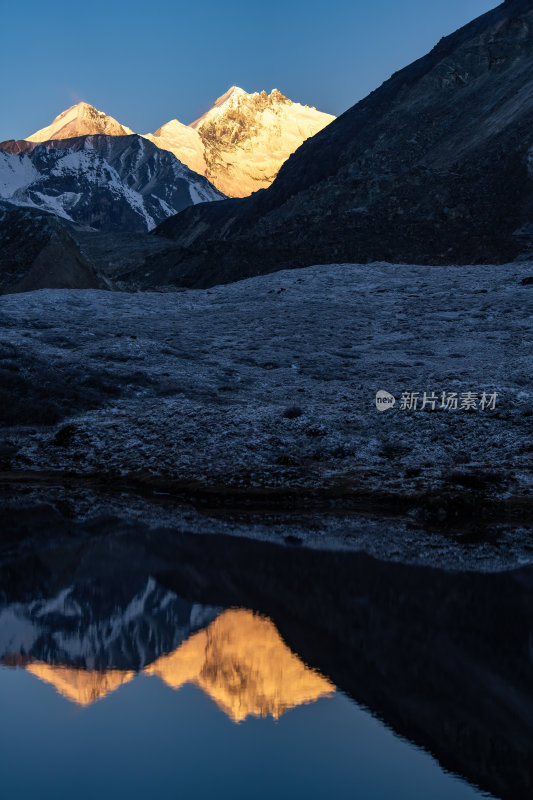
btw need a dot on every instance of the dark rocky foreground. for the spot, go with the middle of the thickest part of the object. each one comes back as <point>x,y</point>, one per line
<point>259,399</point>
<point>443,658</point>
<point>39,251</point>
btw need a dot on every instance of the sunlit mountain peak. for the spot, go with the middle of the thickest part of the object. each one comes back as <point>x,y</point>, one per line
<point>243,664</point>
<point>81,119</point>
<point>239,143</point>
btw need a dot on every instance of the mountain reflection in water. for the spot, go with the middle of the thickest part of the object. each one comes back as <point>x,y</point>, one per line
<point>239,660</point>
<point>79,685</point>
<point>443,659</point>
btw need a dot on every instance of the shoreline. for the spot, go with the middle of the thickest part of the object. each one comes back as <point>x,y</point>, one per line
<point>395,529</point>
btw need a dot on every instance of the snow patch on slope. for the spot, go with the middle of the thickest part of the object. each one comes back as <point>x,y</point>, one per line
<point>16,172</point>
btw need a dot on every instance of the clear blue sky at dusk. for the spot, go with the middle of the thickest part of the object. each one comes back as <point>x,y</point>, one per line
<point>145,63</point>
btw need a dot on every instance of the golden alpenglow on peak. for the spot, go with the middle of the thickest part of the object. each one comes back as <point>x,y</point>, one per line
<point>81,119</point>
<point>239,144</point>
<point>231,97</point>
<point>247,137</point>
<point>79,685</point>
<point>243,664</point>
<point>183,141</point>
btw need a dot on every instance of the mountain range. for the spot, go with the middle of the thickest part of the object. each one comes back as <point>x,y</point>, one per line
<point>80,627</point>
<point>91,170</point>
<point>441,656</point>
<point>433,167</point>
<point>239,660</point>
<point>239,144</point>
<point>87,647</point>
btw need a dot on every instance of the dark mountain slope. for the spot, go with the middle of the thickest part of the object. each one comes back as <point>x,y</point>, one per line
<point>38,251</point>
<point>435,166</point>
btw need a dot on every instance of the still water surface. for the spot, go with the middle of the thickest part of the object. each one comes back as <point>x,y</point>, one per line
<point>255,727</point>
<point>201,667</point>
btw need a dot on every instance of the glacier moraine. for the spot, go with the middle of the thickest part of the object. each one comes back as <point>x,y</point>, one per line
<point>250,408</point>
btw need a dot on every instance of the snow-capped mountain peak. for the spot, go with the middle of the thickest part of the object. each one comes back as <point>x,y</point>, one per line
<point>228,99</point>
<point>114,183</point>
<point>183,141</point>
<point>239,144</point>
<point>247,137</point>
<point>172,126</point>
<point>80,120</point>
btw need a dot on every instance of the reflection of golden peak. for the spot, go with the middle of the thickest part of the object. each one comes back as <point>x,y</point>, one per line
<point>242,662</point>
<point>79,685</point>
<point>239,660</point>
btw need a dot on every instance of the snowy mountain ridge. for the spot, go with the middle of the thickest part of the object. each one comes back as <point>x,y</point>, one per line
<point>107,182</point>
<point>247,137</point>
<point>76,628</point>
<point>239,144</point>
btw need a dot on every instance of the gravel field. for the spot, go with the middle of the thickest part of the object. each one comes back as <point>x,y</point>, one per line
<point>259,397</point>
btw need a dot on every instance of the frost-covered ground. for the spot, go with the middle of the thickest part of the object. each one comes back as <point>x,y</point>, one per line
<point>259,397</point>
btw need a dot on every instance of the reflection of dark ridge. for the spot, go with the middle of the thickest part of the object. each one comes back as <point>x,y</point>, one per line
<point>445,659</point>
<point>122,621</point>
<point>93,641</point>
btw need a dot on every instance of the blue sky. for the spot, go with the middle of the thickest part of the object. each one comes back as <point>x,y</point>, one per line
<point>147,62</point>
